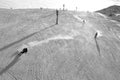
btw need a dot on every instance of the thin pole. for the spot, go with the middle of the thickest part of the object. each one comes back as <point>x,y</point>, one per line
<point>57,12</point>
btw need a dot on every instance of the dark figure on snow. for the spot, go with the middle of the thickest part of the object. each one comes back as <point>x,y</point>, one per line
<point>57,16</point>
<point>25,50</point>
<point>96,35</point>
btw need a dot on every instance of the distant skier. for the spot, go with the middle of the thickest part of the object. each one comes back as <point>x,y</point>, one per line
<point>14,61</point>
<point>83,21</point>
<point>57,13</point>
<point>25,50</point>
<point>97,34</point>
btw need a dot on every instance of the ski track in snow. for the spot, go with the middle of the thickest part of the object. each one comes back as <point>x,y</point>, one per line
<point>77,17</point>
<point>102,15</point>
<point>32,44</point>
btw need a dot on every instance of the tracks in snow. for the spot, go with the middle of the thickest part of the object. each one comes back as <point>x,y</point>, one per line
<point>32,44</point>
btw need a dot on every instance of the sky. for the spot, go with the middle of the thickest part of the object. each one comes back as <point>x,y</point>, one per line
<point>82,5</point>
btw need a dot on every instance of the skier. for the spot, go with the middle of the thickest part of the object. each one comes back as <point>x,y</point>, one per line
<point>25,50</point>
<point>97,34</point>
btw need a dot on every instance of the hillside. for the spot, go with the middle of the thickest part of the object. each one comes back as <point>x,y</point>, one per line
<point>83,46</point>
<point>113,12</point>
